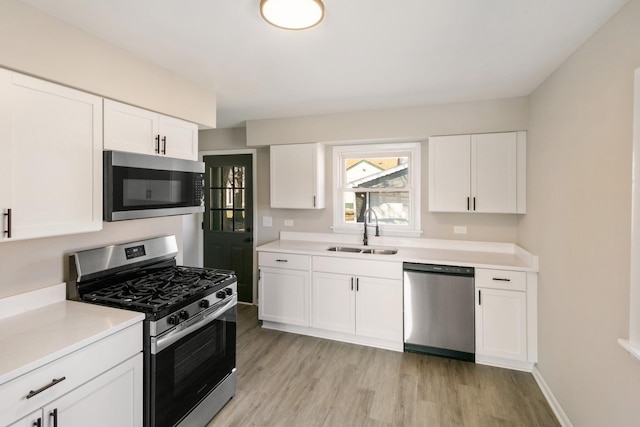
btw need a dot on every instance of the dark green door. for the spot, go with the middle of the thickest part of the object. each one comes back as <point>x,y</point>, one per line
<point>228,218</point>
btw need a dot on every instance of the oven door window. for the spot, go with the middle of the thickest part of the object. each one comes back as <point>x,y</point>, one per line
<point>136,189</point>
<point>187,371</point>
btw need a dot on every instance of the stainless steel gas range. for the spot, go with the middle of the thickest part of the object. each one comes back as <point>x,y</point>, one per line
<point>189,337</point>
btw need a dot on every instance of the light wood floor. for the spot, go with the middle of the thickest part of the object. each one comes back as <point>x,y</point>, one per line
<point>291,380</point>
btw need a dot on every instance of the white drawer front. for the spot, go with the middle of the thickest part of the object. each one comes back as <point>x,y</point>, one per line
<point>276,259</point>
<point>501,279</point>
<point>77,368</point>
<point>357,267</point>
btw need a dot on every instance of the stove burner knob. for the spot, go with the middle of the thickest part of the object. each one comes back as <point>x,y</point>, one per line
<point>229,291</point>
<point>173,320</point>
<point>221,294</point>
<point>184,315</point>
<point>204,303</point>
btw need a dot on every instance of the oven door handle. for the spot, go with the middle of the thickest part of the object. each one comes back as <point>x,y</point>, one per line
<point>159,344</point>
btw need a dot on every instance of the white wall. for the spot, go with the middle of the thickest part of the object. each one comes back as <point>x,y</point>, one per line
<point>578,223</point>
<point>35,44</point>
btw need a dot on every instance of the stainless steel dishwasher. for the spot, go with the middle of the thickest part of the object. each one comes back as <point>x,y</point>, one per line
<point>439,310</point>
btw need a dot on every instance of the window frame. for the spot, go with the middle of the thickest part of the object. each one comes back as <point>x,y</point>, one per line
<point>412,150</point>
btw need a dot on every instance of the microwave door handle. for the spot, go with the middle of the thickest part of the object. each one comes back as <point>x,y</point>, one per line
<point>159,344</point>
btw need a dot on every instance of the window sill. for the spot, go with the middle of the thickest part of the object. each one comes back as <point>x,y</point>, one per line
<point>630,347</point>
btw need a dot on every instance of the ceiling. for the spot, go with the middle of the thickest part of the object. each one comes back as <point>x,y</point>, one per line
<point>365,55</point>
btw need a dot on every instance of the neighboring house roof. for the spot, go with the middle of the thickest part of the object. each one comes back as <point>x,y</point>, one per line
<point>400,170</point>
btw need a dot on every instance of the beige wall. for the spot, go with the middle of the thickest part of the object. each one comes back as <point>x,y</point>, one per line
<point>415,123</point>
<point>37,44</point>
<point>579,188</point>
<point>405,124</point>
<point>33,264</point>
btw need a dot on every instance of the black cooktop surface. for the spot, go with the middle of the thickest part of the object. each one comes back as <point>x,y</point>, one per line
<point>160,289</point>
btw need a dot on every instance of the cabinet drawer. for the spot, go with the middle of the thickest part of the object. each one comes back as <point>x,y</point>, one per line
<point>357,267</point>
<point>77,368</point>
<point>282,260</point>
<point>501,279</point>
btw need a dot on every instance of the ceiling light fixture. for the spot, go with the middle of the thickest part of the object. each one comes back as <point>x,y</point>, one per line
<point>292,14</point>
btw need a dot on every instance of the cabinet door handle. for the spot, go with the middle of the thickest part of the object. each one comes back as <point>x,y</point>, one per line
<point>41,389</point>
<point>8,230</point>
<point>314,201</point>
<point>352,283</point>
<point>282,260</point>
<point>158,144</point>
<point>37,423</point>
<point>501,279</point>
<point>467,203</point>
<point>357,284</point>
<point>479,297</point>
<point>474,203</point>
<point>164,144</point>
<point>54,414</point>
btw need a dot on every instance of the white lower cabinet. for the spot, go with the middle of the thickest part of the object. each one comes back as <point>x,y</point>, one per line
<point>347,298</point>
<point>505,335</point>
<point>99,385</point>
<point>35,419</point>
<point>106,401</point>
<point>283,288</point>
<point>114,392</point>
<point>333,302</point>
<point>501,324</point>
<point>365,306</point>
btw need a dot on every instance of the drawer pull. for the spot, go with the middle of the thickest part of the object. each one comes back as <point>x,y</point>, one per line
<point>282,260</point>
<point>40,390</point>
<point>501,279</point>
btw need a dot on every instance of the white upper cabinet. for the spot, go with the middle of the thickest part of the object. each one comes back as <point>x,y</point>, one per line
<point>297,176</point>
<point>133,129</point>
<point>51,158</point>
<point>478,173</point>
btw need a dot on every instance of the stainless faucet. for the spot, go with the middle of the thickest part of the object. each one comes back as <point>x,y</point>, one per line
<point>365,239</point>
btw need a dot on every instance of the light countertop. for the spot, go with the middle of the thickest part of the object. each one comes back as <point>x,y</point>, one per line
<point>483,255</point>
<point>34,338</point>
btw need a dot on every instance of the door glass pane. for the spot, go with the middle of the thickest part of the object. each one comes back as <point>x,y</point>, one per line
<point>239,221</point>
<point>227,220</point>
<point>216,199</point>
<point>216,220</point>
<point>238,199</point>
<point>215,178</point>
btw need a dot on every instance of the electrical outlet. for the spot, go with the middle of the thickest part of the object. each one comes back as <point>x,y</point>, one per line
<point>459,229</point>
<point>288,223</point>
<point>267,221</point>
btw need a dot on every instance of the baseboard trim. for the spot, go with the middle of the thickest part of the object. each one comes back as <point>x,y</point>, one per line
<point>551,399</point>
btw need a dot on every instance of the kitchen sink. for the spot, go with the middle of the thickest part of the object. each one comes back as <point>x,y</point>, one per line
<point>380,251</point>
<point>344,249</point>
<point>370,251</point>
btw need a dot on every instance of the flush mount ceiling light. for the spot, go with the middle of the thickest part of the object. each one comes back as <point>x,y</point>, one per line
<point>292,14</point>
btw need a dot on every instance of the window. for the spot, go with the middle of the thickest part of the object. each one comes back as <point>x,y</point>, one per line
<point>381,181</point>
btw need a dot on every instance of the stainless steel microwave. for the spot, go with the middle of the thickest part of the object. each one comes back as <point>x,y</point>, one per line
<point>145,186</point>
